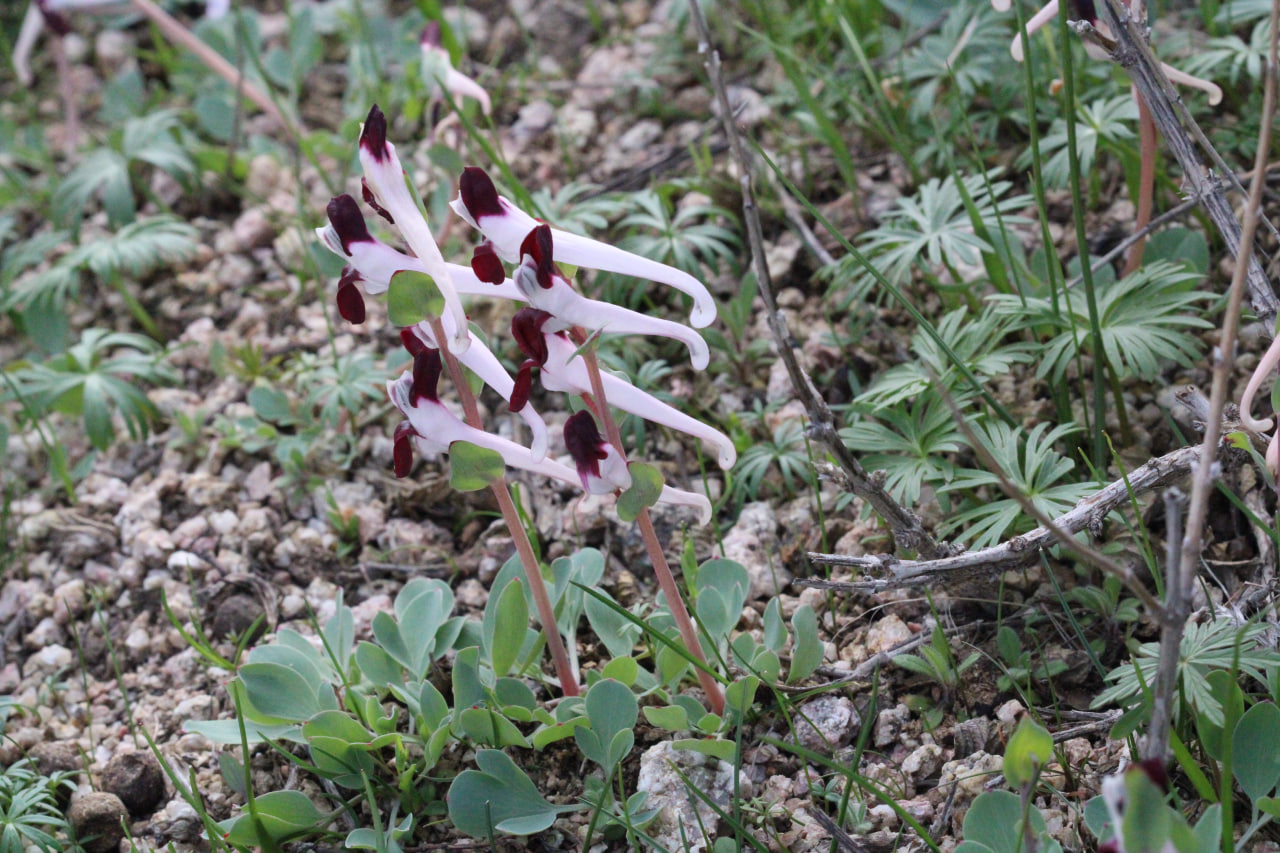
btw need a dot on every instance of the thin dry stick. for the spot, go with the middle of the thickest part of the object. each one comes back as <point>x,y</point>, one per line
<point>908,532</point>
<point>666,580</point>
<point>1087,553</point>
<point>183,37</point>
<point>532,572</point>
<point>1166,681</point>
<point>1202,481</point>
<point>1130,50</point>
<point>1022,550</point>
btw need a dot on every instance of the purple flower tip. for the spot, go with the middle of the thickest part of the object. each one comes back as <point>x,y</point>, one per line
<point>537,245</point>
<point>479,195</point>
<point>582,439</point>
<point>526,328</point>
<point>374,136</point>
<point>346,218</point>
<point>412,343</point>
<point>402,448</point>
<point>430,35</point>
<point>56,23</point>
<point>486,264</point>
<point>426,375</point>
<point>523,385</point>
<point>350,299</point>
<point>1155,770</point>
<point>1086,11</point>
<point>372,200</point>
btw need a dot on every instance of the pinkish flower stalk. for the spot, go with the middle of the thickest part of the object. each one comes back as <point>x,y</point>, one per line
<point>505,226</point>
<point>387,189</point>
<point>1146,124</point>
<point>438,70</point>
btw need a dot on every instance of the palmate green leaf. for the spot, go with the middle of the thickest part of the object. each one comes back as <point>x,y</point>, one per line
<point>1146,320</point>
<point>976,341</point>
<point>137,248</point>
<point>1205,647</point>
<point>908,442</point>
<point>933,226</point>
<point>1033,466</point>
<point>1101,123</point>
<point>688,240</point>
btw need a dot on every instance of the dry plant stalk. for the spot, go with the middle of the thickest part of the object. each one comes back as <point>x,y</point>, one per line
<point>1134,55</point>
<point>908,533</point>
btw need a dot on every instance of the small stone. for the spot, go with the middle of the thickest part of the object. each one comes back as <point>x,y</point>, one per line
<point>886,634</point>
<point>753,542</point>
<point>684,820</point>
<point>97,816</point>
<point>889,724</point>
<point>923,762</point>
<point>53,658</point>
<point>235,615</point>
<point>58,756</point>
<point>136,778</point>
<point>826,723</point>
<point>253,229</point>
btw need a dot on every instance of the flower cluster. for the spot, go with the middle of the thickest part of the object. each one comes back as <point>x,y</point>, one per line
<point>555,311</point>
<point>1086,11</point>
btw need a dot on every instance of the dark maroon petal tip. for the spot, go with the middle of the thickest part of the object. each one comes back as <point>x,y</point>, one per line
<point>402,448</point>
<point>374,136</point>
<point>479,195</point>
<point>372,200</point>
<point>486,264</point>
<point>346,219</point>
<point>1085,11</point>
<point>537,245</point>
<point>412,343</point>
<point>524,384</point>
<point>582,440</point>
<point>430,35</point>
<point>1156,772</point>
<point>426,375</point>
<point>526,328</point>
<point>56,23</point>
<point>350,302</point>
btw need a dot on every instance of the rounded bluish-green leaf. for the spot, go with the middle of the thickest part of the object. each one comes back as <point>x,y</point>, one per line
<point>806,654</point>
<point>412,298</point>
<point>1030,747</point>
<point>472,467</point>
<point>1255,748</point>
<point>281,815</point>
<point>646,488</point>
<point>498,797</point>
<point>673,718</point>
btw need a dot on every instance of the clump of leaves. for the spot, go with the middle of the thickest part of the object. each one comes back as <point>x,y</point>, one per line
<point>29,814</point>
<point>1031,462</point>
<point>104,371</point>
<point>1146,319</point>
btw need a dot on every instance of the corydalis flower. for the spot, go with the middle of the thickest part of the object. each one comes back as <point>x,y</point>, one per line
<point>387,190</point>
<point>543,286</point>
<point>438,70</point>
<point>433,428</point>
<point>563,369</point>
<point>48,13</point>
<point>505,227</point>
<point>1086,11</point>
<point>483,363</point>
<point>372,263</point>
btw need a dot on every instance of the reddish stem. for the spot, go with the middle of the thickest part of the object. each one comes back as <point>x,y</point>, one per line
<point>528,560</point>
<point>666,580</point>
<point>1146,181</point>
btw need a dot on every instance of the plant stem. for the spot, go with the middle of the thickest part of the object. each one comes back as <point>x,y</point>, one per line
<point>666,580</point>
<point>528,560</point>
<point>1146,181</point>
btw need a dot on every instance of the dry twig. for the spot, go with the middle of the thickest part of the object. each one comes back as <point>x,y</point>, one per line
<point>908,532</point>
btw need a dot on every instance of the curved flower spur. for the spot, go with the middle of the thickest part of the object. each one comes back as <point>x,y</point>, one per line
<point>505,227</point>
<point>433,429</point>
<point>1086,11</point>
